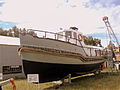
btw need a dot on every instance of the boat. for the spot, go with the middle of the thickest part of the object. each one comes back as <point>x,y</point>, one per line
<point>55,55</point>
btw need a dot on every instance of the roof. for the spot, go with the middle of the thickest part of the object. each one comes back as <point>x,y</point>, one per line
<point>9,40</point>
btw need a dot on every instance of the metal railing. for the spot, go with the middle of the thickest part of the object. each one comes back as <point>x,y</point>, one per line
<point>57,36</point>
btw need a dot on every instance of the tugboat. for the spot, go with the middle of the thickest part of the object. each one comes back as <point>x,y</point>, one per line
<point>55,55</point>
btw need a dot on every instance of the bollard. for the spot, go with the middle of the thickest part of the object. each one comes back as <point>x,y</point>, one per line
<point>2,83</point>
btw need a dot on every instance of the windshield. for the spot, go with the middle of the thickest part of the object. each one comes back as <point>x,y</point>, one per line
<point>68,34</point>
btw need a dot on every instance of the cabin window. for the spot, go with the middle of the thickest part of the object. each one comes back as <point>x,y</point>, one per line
<point>98,52</point>
<point>68,34</point>
<point>75,35</point>
<point>60,35</point>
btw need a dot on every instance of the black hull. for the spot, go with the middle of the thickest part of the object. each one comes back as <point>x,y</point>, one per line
<point>50,72</point>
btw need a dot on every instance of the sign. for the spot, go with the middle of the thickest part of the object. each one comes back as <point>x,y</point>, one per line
<point>33,78</point>
<point>12,69</point>
<point>1,76</point>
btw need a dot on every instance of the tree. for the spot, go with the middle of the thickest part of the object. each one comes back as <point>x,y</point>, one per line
<point>92,41</point>
<point>10,33</point>
<point>3,32</point>
<point>15,31</point>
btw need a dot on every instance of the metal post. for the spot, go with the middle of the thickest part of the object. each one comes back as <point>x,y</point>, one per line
<point>45,34</point>
<point>69,78</point>
<point>76,41</point>
<point>90,52</point>
<point>55,36</point>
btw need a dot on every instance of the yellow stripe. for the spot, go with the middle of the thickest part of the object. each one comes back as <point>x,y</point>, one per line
<point>81,76</point>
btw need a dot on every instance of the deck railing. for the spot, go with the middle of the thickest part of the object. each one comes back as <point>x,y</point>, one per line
<point>51,35</point>
<point>57,36</point>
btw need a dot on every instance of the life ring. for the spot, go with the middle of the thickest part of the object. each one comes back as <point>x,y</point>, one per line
<point>80,37</point>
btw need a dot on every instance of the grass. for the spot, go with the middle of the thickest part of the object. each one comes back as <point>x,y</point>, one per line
<point>24,85</point>
<point>105,81</point>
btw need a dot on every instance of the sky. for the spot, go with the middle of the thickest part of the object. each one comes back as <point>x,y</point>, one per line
<point>51,15</point>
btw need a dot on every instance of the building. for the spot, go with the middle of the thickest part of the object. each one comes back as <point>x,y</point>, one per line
<point>10,62</point>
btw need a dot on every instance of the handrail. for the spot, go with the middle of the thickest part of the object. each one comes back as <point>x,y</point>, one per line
<point>45,32</point>
<point>62,35</point>
<point>50,32</point>
<point>65,38</point>
<point>57,34</point>
<point>41,31</point>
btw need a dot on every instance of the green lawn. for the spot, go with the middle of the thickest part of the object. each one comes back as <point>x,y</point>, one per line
<point>107,80</point>
<point>104,81</point>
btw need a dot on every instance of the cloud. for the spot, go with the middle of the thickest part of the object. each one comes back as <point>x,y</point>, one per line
<point>52,15</point>
<point>110,8</point>
<point>102,3</point>
<point>71,3</point>
<point>56,13</point>
<point>1,3</point>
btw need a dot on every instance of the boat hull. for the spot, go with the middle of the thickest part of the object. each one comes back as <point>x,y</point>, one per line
<point>53,59</point>
<point>54,71</point>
